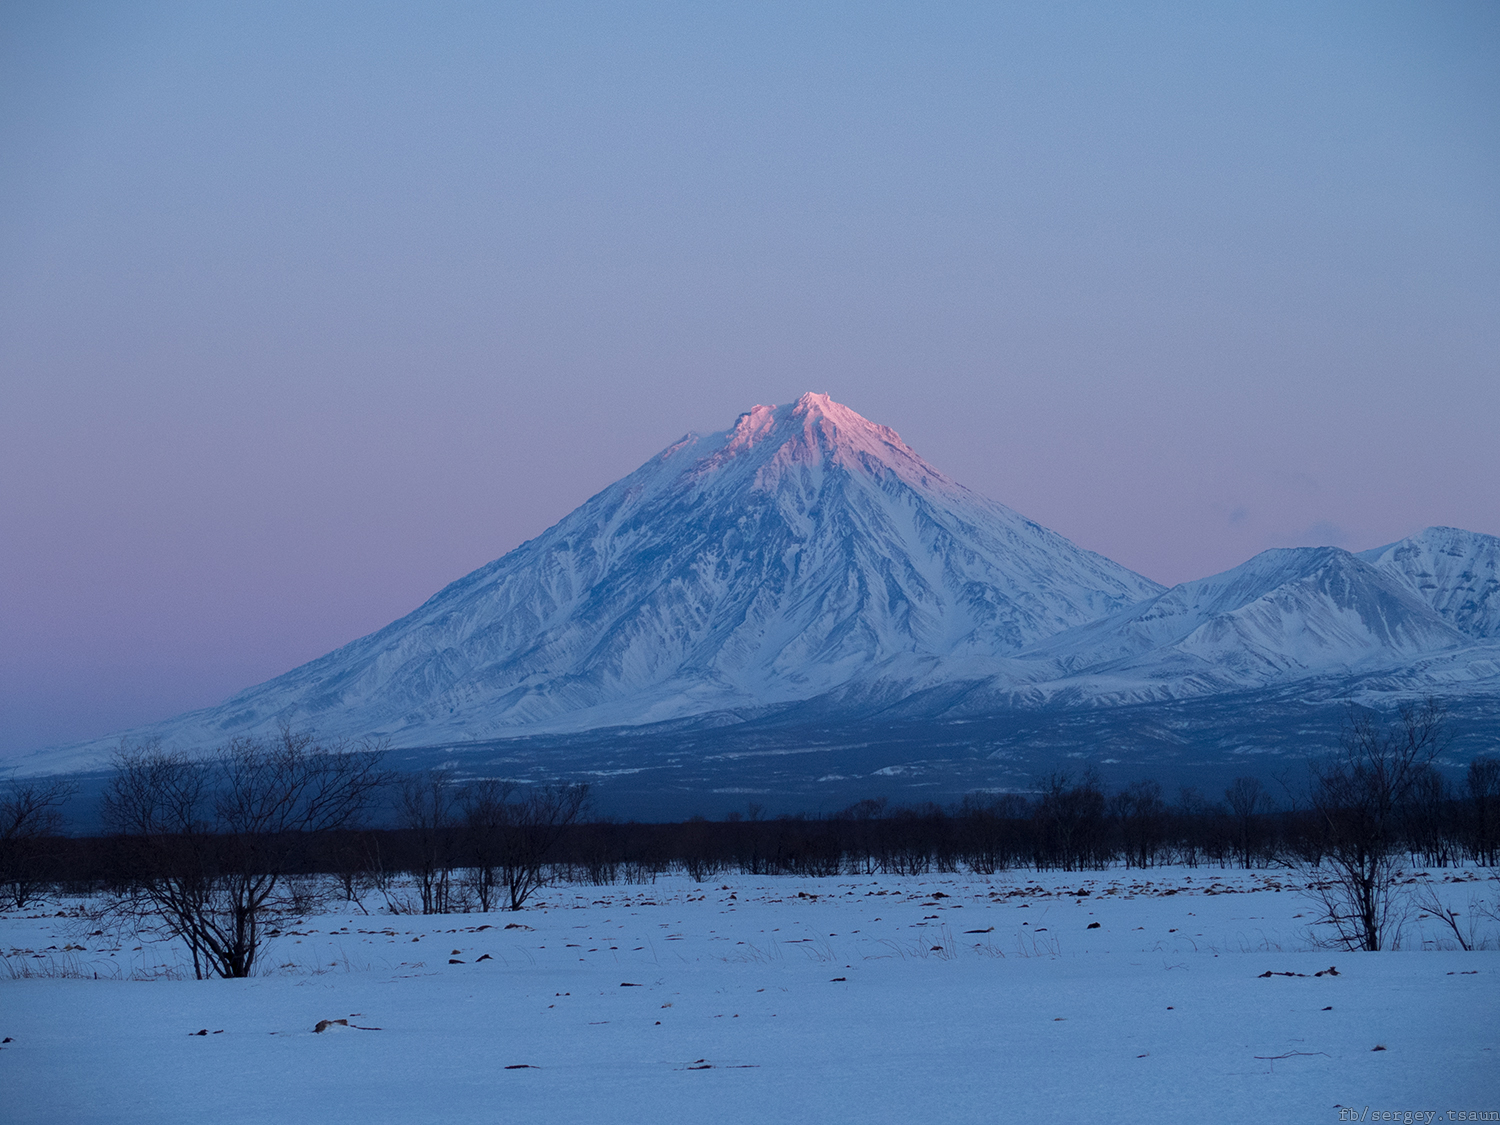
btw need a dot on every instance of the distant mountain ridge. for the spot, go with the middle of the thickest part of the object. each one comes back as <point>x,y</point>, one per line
<point>807,556</point>
<point>1456,572</point>
<point>1287,615</point>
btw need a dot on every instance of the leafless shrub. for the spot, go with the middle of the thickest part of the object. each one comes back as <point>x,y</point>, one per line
<point>1483,787</point>
<point>207,845</point>
<point>1142,816</point>
<point>30,822</point>
<point>428,804</point>
<point>487,814</point>
<point>1248,802</point>
<point>1358,796</point>
<point>530,831</point>
<point>1465,927</point>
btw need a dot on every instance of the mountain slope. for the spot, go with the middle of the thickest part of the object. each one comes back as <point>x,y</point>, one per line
<point>1456,572</point>
<point>803,550</point>
<point>1286,615</point>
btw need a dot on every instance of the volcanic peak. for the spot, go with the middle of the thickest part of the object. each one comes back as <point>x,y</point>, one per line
<point>816,433</point>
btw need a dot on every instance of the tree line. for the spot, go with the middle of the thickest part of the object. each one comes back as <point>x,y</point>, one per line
<point>215,849</point>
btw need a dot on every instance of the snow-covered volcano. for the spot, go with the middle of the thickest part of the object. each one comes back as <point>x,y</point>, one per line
<point>808,556</point>
<point>805,550</point>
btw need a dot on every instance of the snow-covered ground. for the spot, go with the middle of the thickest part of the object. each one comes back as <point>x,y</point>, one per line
<point>949,998</point>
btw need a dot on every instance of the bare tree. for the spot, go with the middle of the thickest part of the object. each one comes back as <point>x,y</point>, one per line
<point>207,844</point>
<point>30,821</point>
<point>1143,822</point>
<point>1429,900</point>
<point>349,861</point>
<point>487,814</point>
<point>1483,785</point>
<point>1190,811</point>
<point>1426,815</point>
<point>1247,800</point>
<point>860,818</point>
<point>1358,797</point>
<point>508,835</point>
<point>991,836</point>
<point>429,812</point>
<point>1070,822</point>
<point>531,828</point>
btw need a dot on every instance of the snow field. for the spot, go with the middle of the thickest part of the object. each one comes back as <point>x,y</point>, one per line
<point>772,999</point>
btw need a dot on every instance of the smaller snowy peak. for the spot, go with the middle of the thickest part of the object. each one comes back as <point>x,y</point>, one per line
<point>1456,572</point>
<point>686,441</point>
<point>1284,614</point>
<point>749,428</point>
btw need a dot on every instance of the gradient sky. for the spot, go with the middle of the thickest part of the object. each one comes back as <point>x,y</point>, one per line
<point>308,308</point>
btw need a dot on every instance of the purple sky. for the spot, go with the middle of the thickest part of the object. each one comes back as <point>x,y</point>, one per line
<point>307,309</point>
